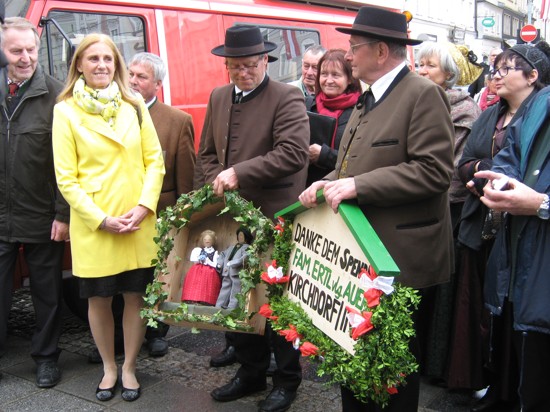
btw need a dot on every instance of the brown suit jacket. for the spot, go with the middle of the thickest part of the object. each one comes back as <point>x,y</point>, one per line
<point>176,135</point>
<point>401,156</point>
<point>265,139</point>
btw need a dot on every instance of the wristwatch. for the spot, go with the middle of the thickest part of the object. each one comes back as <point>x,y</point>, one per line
<point>544,209</point>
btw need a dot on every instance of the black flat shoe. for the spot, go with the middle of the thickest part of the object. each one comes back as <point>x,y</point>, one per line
<point>104,395</point>
<point>130,395</point>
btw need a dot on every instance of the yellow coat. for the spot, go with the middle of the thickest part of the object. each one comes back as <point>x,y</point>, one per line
<point>106,171</point>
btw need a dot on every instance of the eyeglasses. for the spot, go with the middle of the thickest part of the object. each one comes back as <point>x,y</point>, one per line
<point>245,67</point>
<point>352,47</point>
<point>503,71</point>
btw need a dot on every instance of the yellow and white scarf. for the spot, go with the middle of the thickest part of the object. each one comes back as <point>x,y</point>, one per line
<point>105,102</point>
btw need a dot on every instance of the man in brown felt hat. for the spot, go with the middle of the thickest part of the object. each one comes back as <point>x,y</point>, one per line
<point>396,162</point>
<point>255,139</point>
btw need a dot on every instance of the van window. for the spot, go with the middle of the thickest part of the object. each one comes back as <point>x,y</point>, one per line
<point>16,8</point>
<point>291,44</point>
<point>127,32</point>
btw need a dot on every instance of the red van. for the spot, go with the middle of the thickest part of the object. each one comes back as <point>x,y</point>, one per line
<point>184,32</point>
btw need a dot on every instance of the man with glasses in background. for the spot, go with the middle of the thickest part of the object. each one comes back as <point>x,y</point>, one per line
<point>255,140</point>
<point>396,163</point>
<point>306,83</point>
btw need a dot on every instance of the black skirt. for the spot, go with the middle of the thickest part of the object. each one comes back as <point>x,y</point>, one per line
<point>131,281</point>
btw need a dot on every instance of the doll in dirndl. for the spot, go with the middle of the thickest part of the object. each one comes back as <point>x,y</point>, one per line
<point>202,282</point>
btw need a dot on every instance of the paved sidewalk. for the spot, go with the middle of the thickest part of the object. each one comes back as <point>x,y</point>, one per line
<point>179,381</point>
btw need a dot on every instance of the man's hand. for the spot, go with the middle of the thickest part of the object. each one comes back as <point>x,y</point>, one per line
<point>518,199</point>
<point>308,197</point>
<point>314,153</point>
<point>60,231</point>
<point>339,190</point>
<point>226,180</point>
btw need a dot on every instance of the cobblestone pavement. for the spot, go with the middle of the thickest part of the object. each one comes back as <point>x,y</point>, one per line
<point>179,381</point>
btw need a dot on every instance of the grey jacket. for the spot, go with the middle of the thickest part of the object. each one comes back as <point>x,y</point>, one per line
<point>231,283</point>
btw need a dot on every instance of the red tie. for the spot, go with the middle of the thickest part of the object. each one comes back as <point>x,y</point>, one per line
<point>13,87</point>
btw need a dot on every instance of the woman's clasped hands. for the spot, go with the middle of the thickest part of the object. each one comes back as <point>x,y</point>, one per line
<point>128,222</point>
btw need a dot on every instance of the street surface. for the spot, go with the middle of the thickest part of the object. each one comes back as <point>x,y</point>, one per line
<point>179,381</point>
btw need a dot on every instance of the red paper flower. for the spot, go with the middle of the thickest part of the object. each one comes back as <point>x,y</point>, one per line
<point>266,311</point>
<point>309,349</point>
<point>369,272</point>
<point>280,227</point>
<point>374,286</point>
<point>391,390</point>
<point>360,322</point>
<point>274,274</point>
<point>373,297</point>
<point>290,334</point>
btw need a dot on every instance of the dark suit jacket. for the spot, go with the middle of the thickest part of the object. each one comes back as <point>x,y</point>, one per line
<point>265,139</point>
<point>401,156</point>
<point>479,83</point>
<point>176,135</point>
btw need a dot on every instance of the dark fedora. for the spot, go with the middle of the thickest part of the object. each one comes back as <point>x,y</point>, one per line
<point>244,41</point>
<point>380,24</point>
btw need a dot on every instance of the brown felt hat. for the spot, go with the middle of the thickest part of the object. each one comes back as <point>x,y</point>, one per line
<point>380,24</point>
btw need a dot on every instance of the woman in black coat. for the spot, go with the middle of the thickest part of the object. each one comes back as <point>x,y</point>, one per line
<point>517,80</point>
<point>337,95</point>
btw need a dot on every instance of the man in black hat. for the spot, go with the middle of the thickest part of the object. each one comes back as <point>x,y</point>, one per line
<point>255,139</point>
<point>396,161</point>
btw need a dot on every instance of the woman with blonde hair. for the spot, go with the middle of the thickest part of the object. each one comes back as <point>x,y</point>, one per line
<point>109,168</point>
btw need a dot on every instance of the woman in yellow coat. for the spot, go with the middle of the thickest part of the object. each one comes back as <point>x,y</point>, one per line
<point>109,168</point>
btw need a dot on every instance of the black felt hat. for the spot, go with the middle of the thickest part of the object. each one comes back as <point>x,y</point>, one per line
<point>244,41</point>
<point>380,24</point>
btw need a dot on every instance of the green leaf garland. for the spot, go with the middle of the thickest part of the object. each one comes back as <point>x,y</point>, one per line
<point>177,217</point>
<point>382,357</point>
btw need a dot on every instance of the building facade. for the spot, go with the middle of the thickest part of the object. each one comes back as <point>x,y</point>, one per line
<point>479,24</point>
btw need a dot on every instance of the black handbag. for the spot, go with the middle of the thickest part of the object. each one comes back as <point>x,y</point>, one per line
<point>321,128</point>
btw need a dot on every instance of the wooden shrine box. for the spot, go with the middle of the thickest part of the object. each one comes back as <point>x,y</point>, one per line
<point>178,264</point>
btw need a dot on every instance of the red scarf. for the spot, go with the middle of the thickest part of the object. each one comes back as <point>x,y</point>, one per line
<point>335,106</point>
<point>484,103</point>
